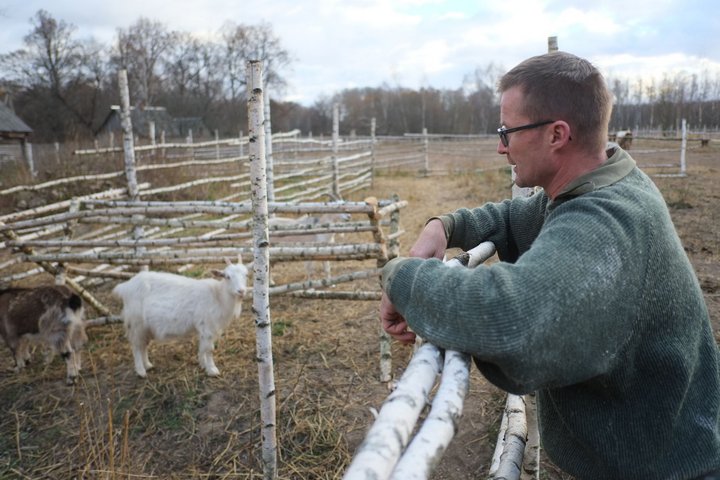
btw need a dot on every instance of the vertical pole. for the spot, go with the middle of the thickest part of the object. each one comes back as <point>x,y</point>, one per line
<point>57,153</point>
<point>261,261</point>
<point>372,151</point>
<point>28,154</point>
<point>162,142</point>
<point>189,141</point>
<point>129,151</point>
<point>683,147</point>
<point>552,44</point>
<point>240,143</point>
<point>335,138</point>
<point>425,152</point>
<point>217,145</point>
<point>269,164</point>
<point>151,134</point>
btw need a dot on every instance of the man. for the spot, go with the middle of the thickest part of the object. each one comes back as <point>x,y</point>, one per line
<point>594,304</point>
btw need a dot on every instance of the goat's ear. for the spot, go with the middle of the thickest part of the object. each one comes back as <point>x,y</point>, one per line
<point>227,261</point>
<point>217,273</point>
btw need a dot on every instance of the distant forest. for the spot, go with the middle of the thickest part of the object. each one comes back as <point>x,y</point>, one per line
<point>64,87</point>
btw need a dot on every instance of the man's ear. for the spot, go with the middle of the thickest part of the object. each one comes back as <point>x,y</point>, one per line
<point>560,133</point>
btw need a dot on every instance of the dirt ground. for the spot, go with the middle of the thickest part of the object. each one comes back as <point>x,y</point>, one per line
<point>180,424</point>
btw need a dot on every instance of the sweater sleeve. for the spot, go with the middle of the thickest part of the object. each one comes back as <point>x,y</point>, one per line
<point>556,316</point>
<point>497,222</point>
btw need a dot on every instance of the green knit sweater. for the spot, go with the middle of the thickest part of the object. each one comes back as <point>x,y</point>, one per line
<point>595,306</point>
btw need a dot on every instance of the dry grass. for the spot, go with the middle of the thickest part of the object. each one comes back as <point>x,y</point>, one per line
<point>180,424</point>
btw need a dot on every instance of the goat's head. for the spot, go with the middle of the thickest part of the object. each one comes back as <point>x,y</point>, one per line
<point>235,274</point>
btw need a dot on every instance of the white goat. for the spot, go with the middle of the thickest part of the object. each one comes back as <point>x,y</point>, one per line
<point>51,316</point>
<point>161,306</point>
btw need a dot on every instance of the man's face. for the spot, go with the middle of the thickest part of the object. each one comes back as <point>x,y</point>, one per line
<point>527,149</point>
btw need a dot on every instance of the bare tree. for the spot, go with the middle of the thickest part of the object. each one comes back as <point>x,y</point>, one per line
<point>252,42</point>
<point>55,64</point>
<point>140,50</point>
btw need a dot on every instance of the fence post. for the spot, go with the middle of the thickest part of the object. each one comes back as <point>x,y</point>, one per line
<point>261,262</point>
<point>217,145</point>
<point>129,152</point>
<point>28,154</point>
<point>425,151</point>
<point>240,143</point>
<point>683,148</point>
<point>189,141</point>
<point>269,164</point>
<point>372,152</point>
<point>335,164</point>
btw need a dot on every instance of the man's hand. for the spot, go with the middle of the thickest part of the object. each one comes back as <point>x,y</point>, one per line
<point>432,242</point>
<point>394,323</point>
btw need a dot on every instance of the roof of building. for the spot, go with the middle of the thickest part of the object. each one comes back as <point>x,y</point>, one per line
<point>10,123</point>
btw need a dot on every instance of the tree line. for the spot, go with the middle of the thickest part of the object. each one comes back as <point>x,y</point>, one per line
<point>63,87</point>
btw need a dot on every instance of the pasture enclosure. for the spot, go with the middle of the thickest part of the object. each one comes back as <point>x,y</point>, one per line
<point>182,425</point>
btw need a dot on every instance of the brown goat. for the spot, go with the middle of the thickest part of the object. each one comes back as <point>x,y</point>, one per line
<point>51,316</point>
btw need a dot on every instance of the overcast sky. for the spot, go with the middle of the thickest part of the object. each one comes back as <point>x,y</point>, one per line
<point>337,44</point>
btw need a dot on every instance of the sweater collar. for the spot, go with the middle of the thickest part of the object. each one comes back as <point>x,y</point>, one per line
<point>617,166</point>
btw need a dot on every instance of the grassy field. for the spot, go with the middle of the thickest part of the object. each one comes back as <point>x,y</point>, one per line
<point>180,424</point>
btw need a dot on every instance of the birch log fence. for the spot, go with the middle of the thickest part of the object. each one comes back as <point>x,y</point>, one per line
<point>387,452</point>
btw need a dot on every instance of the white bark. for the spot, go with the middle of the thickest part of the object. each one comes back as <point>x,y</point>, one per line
<point>377,455</point>
<point>261,263</point>
<point>438,429</point>
<point>531,460</point>
<point>512,439</point>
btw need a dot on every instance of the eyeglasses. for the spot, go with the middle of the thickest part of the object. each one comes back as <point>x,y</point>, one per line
<point>503,132</point>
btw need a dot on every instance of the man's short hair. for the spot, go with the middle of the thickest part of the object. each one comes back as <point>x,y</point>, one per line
<point>562,86</point>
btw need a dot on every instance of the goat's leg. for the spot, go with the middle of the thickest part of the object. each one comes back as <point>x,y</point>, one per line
<point>139,340</point>
<point>21,353</point>
<point>205,354</point>
<point>71,363</point>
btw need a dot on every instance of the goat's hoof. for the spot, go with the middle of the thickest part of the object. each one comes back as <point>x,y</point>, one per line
<point>141,374</point>
<point>71,380</point>
<point>214,372</point>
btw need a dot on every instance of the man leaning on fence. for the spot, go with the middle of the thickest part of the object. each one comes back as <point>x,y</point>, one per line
<point>594,304</point>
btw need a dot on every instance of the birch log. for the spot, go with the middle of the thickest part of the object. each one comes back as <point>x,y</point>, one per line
<point>509,463</point>
<point>261,263</point>
<point>129,151</point>
<point>438,429</point>
<point>378,457</point>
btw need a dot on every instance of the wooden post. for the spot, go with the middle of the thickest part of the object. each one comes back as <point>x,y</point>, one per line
<point>129,150</point>
<point>261,262</point>
<point>683,148</point>
<point>189,141</point>
<point>217,145</point>
<point>372,151</point>
<point>552,44</point>
<point>335,138</point>
<point>28,154</point>
<point>269,164</point>
<point>240,143</point>
<point>425,152</point>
